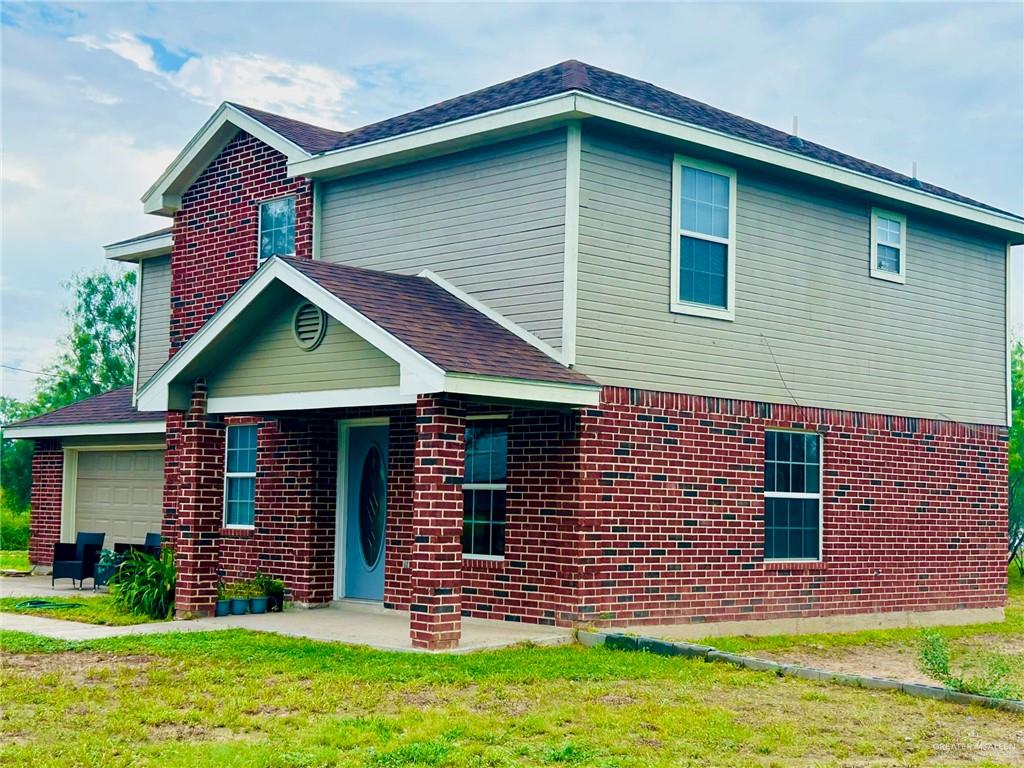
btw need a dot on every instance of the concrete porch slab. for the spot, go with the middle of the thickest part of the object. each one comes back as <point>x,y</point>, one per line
<point>343,622</point>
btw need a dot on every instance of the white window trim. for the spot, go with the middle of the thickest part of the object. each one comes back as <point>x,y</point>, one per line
<point>232,475</point>
<point>819,496</point>
<point>486,486</point>
<point>260,258</point>
<point>881,274</point>
<point>686,307</point>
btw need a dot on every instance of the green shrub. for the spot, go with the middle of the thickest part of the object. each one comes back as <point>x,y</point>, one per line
<point>933,660</point>
<point>267,586</point>
<point>13,528</point>
<point>144,584</point>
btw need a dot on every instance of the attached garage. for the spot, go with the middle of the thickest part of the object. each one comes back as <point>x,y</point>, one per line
<point>118,492</point>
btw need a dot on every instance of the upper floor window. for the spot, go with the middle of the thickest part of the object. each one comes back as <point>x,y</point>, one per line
<point>703,238</point>
<point>277,228</point>
<point>792,495</point>
<point>888,245</point>
<point>484,487</point>
<point>240,476</point>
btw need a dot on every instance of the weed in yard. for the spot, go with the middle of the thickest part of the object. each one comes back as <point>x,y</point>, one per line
<point>934,661</point>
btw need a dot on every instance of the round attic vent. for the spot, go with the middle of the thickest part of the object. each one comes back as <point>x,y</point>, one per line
<point>309,326</point>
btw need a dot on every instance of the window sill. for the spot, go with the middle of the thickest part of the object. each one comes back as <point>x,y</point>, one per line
<point>238,531</point>
<point>698,310</point>
<point>794,565</point>
<point>890,277</point>
<point>487,564</point>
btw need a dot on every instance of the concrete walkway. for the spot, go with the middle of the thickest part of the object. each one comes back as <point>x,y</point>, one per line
<point>345,622</point>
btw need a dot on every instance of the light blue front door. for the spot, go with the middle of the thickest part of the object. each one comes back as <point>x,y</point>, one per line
<point>366,474</point>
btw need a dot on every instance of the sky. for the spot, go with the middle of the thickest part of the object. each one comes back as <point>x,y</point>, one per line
<point>97,99</point>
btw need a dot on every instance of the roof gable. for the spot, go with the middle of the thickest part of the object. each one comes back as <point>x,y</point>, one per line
<point>164,196</point>
<point>440,343</point>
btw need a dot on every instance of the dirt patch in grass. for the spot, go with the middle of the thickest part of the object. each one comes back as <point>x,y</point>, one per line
<point>80,668</point>
<point>894,662</point>
<point>190,732</point>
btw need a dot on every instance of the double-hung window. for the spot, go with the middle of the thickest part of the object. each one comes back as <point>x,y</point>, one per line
<point>277,228</point>
<point>240,477</point>
<point>483,489</point>
<point>792,495</point>
<point>888,245</point>
<point>703,238</point>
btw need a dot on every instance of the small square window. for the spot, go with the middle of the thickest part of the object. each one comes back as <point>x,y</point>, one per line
<point>888,245</point>
<point>277,228</point>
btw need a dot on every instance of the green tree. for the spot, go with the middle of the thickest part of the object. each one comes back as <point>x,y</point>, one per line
<point>1016,457</point>
<point>96,355</point>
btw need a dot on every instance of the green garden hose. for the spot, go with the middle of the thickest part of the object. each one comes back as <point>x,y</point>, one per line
<point>45,605</point>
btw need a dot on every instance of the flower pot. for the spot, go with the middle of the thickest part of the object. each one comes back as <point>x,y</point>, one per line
<point>258,604</point>
<point>239,605</point>
<point>223,607</point>
<point>275,603</point>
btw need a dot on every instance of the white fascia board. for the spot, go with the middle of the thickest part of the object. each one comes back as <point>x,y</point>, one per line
<point>80,430</point>
<point>573,105</point>
<point>521,389</point>
<point>490,314</point>
<point>137,250</point>
<point>609,110</point>
<point>154,395</point>
<point>164,196</point>
<point>557,106</point>
<point>301,401</point>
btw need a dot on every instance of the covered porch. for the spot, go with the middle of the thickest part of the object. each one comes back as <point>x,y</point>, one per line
<point>317,431</point>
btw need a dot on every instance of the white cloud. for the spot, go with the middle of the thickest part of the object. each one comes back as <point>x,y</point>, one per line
<point>125,45</point>
<point>16,170</point>
<point>303,91</point>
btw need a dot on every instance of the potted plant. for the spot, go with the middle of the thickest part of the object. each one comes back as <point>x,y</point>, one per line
<point>273,589</point>
<point>106,567</point>
<point>223,600</point>
<point>257,597</point>
<point>238,595</point>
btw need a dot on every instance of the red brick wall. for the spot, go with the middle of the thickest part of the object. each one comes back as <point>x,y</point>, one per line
<point>47,487</point>
<point>217,226</point>
<point>536,581</point>
<point>671,513</point>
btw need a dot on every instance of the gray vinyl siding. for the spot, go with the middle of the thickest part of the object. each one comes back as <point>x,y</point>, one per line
<point>490,220</point>
<point>811,325</point>
<point>154,316</point>
<point>271,362</point>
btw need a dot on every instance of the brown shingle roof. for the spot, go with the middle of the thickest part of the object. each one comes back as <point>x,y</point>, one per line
<point>114,407</point>
<point>155,233</point>
<point>446,331</point>
<point>577,76</point>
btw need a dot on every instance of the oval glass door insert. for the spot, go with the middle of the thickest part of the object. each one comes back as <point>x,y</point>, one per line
<point>371,506</point>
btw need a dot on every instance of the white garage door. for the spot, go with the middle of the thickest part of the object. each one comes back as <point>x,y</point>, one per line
<point>120,493</point>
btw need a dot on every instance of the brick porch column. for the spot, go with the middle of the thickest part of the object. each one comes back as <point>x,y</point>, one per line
<point>199,469</point>
<point>435,614</point>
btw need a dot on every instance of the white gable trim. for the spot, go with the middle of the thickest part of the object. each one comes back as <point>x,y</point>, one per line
<point>77,430</point>
<point>522,389</point>
<point>573,105</point>
<point>489,313</point>
<point>140,248</point>
<point>418,374</point>
<point>164,197</point>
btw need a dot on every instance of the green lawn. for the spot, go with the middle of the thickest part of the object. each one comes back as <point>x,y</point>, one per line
<point>14,560</point>
<point>94,609</point>
<point>236,698</point>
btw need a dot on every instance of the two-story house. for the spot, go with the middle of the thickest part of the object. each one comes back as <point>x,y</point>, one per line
<point>569,349</point>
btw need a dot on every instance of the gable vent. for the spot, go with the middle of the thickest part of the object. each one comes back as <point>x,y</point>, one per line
<point>309,326</point>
